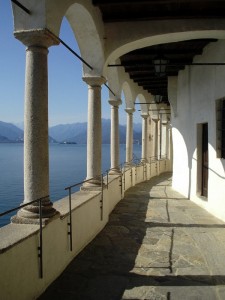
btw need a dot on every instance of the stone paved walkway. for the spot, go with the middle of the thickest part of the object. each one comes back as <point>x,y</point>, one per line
<point>157,245</point>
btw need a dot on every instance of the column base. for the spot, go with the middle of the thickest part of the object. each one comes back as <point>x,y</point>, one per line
<point>31,214</point>
<point>22,220</point>
<point>92,185</point>
<point>114,171</point>
<point>143,161</point>
<point>128,165</point>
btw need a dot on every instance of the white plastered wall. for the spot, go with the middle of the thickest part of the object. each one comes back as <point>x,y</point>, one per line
<point>198,89</point>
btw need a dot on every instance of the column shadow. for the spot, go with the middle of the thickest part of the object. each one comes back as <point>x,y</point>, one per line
<point>115,261</point>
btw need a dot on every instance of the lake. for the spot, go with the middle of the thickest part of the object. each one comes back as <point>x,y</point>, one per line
<point>67,165</point>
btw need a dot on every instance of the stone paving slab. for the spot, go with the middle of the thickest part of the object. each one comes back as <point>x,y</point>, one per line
<point>157,245</point>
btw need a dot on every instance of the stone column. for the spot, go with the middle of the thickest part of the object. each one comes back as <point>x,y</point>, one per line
<point>168,138</point>
<point>164,139</point>
<point>36,156</point>
<point>155,137</point>
<point>160,137</point>
<point>115,144</point>
<point>144,137</point>
<point>129,135</point>
<point>151,138</point>
<point>94,131</point>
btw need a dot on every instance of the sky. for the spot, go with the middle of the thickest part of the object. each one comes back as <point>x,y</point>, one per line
<point>67,91</point>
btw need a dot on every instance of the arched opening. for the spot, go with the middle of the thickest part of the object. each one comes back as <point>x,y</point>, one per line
<point>12,61</point>
<point>88,37</point>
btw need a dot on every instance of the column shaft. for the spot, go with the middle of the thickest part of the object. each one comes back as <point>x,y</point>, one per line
<point>36,156</point>
<point>129,136</point>
<point>94,131</point>
<point>115,150</point>
<point>36,162</point>
<point>144,137</point>
<point>156,137</point>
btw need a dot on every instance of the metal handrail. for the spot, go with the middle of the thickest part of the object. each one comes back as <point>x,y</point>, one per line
<point>123,167</point>
<point>40,246</point>
<point>69,188</point>
<point>22,206</point>
<point>120,166</point>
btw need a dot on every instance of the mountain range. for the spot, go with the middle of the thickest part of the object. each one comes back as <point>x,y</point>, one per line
<point>68,133</point>
<point>10,133</point>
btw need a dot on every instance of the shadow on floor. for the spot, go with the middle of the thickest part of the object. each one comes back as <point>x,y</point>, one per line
<point>122,262</point>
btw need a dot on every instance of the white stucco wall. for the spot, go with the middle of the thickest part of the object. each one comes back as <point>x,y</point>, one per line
<point>198,89</point>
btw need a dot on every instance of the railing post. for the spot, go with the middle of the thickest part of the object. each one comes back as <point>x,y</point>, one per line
<point>159,161</point>
<point>101,201</point>
<point>131,175</point>
<point>70,222</point>
<point>135,173</point>
<point>40,247</point>
<point>121,184</point>
<point>150,167</point>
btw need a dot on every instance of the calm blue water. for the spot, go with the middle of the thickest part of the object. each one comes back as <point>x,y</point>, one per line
<point>67,166</point>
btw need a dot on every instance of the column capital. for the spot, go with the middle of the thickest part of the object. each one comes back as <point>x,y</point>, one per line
<point>130,110</point>
<point>37,37</point>
<point>145,115</point>
<point>115,102</point>
<point>94,80</point>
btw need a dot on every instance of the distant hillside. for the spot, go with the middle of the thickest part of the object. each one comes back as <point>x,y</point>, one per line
<point>10,132</point>
<point>3,139</point>
<point>71,133</point>
<point>137,127</point>
<point>65,132</point>
<point>77,133</point>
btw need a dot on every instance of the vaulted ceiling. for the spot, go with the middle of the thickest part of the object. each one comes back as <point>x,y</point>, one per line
<point>139,63</point>
<point>140,66</point>
<point>134,10</point>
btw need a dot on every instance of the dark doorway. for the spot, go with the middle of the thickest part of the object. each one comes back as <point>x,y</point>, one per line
<point>205,160</point>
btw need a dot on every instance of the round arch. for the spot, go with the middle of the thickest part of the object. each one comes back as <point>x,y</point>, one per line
<point>125,45</point>
<point>89,38</point>
<point>143,103</point>
<point>129,97</point>
<point>84,19</point>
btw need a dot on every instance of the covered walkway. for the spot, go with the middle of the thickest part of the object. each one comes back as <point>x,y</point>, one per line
<point>157,245</point>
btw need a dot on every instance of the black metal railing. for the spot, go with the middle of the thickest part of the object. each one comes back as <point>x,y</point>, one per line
<point>124,168</point>
<point>69,189</point>
<point>40,244</point>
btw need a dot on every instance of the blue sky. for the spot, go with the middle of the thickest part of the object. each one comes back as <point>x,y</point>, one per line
<point>67,91</point>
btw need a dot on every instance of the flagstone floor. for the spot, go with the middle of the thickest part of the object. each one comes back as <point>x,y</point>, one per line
<point>157,245</point>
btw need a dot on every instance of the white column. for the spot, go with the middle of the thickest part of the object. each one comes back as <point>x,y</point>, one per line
<point>152,138</point>
<point>129,135</point>
<point>36,156</point>
<point>144,137</point>
<point>164,139</point>
<point>160,136</point>
<point>115,144</point>
<point>94,131</point>
<point>149,138</point>
<point>155,137</point>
